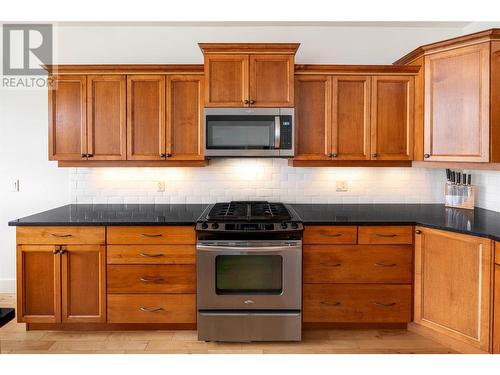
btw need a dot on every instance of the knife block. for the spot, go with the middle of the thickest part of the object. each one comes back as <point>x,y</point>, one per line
<point>459,196</point>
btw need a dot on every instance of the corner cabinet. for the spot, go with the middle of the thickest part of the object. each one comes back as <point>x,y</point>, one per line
<point>126,115</point>
<point>249,74</point>
<point>348,117</point>
<point>453,276</point>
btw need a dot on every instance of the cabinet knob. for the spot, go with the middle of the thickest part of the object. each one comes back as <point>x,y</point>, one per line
<point>90,155</point>
<point>84,155</point>
<point>252,101</point>
<point>418,231</point>
<point>427,156</point>
<point>163,155</point>
<point>246,101</point>
<point>168,155</point>
<point>330,155</point>
<point>374,155</point>
<point>334,155</point>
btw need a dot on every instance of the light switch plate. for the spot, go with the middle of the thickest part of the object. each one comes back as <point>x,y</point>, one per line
<point>161,186</point>
<point>341,186</point>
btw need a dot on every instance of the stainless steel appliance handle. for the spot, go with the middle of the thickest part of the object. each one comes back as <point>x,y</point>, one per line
<point>263,249</point>
<point>277,132</point>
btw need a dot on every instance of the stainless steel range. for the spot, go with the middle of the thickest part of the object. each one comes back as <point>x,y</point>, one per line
<point>249,272</point>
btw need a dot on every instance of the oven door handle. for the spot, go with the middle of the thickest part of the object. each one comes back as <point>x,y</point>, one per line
<point>263,249</point>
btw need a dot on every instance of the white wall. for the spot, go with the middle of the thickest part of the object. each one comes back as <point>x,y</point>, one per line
<point>23,127</point>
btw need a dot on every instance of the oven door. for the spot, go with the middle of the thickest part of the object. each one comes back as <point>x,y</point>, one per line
<point>242,132</point>
<point>249,275</point>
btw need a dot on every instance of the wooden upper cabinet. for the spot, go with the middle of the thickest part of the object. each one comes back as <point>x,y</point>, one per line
<point>457,96</point>
<point>145,117</point>
<point>453,275</point>
<point>83,284</point>
<point>249,74</point>
<point>227,80</point>
<point>313,117</point>
<point>392,117</point>
<point>67,117</point>
<point>106,117</point>
<point>271,80</point>
<point>38,284</point>
<point>185,117</point>
<point>351,117</point>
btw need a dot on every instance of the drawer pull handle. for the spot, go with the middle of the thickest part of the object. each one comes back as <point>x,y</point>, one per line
<point>386,235</point>
<point>331,235</point>
<point>385,265</point>
<point>384,304</point>
<point>331,264</point>
<point>151,255</point>
<point>61,235</point>
<point>146,279</point>
<point>152,235</point>
<point>151,309</point>
<point>330,304</point>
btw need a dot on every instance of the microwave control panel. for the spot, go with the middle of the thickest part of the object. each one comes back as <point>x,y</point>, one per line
<point>286,132</point>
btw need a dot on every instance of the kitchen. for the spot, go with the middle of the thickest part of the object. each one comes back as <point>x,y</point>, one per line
<point>328,175</point>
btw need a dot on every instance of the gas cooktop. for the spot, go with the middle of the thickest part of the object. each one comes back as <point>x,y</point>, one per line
<point>249,216</point>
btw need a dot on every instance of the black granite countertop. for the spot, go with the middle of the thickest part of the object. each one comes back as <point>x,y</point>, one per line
<point>6,315</point>
<point>478,222</point>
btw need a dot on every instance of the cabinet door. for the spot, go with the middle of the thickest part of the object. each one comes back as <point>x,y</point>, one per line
<point>226,80</point>
<point>184,117</point>
<point>351,118</point>
<point>392,117</point>
<point>83,286</point>
<point>313,117</point>
<point>496,311</point>
<point>452,285</point>
<point>271,80</point>
<point>67,118</point>
<point>457,93</point>
<point>38,284</point>
<point>106,117</point>
<point>145,117</point>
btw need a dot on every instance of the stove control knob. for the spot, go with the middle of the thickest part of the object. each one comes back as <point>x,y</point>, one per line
<point>284,225</point>
<point>215,225</point>
<point>204,225</point>
<point>295,225</point>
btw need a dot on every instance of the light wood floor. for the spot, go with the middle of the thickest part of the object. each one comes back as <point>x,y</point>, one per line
<point>15,339</point>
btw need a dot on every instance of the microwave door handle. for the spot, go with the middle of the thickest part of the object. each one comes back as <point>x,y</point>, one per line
<point>264,249</point>
<point>277,132</point>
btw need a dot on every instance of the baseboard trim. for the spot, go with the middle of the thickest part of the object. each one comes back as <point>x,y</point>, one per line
<point>7,286</point>
<point>441,338</point>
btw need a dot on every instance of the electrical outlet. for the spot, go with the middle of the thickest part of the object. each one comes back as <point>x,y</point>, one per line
<point>341,186</point>
<point>161,186</point>
<point>15,186</point>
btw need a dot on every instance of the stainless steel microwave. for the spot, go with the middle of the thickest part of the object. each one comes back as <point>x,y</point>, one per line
<point>249,132</point>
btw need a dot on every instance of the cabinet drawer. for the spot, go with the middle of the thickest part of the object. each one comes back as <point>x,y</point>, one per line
<point>352,303</point>
<point>357,264</point>
<point>381,235</point>
<point>151,308</point>
<point>61,235</point>
<point>328,234</point>
<point>151,235</point>
<point>151,278</point>
<point>151,254</point>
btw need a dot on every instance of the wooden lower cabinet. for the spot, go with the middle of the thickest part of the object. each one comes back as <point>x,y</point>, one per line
<point>353,303</point>
<point>152,308</point>
<point>83,286</point>
<point>38,284</point>
<point>453,275</point>
<point>61,283</point>
<point>496,310</point>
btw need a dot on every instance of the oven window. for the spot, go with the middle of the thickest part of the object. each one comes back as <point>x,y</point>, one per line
<point>249,274</point>
<point>240,132</point>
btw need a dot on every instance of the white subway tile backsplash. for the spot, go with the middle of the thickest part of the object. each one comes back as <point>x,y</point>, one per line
<point>271,179</point>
